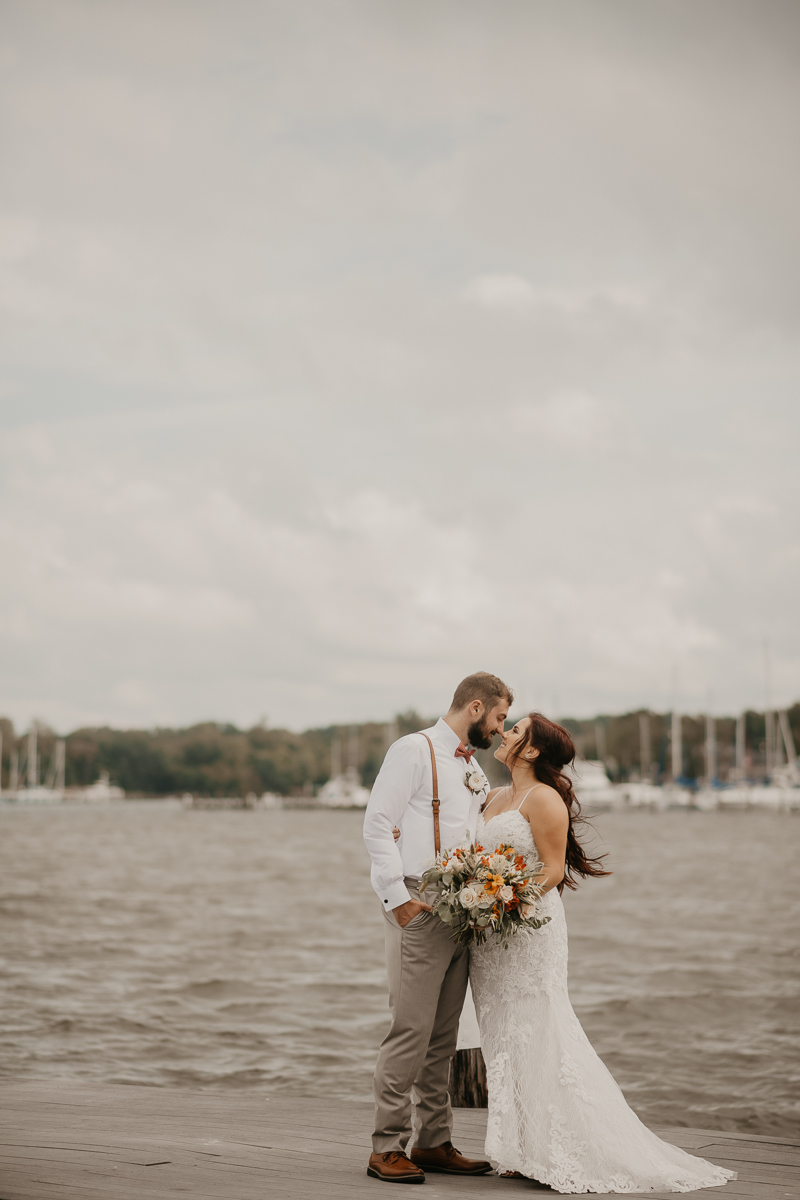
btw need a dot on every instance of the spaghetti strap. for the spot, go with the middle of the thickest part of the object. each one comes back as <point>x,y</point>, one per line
<point>500,791</point>
<point>525,797</point>
<point>494,797</point>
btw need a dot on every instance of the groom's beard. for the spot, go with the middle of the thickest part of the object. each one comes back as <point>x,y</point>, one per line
<point>479,737</point>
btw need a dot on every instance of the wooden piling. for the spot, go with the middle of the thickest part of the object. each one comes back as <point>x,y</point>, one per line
<point>468,1088</point>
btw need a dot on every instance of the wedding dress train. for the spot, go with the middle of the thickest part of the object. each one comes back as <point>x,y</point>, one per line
<point>555,1112</point>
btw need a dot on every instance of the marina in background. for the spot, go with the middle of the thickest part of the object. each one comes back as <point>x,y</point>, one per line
<point>669,760</point>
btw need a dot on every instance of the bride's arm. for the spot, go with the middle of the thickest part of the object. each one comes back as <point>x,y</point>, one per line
<point>549,822</point>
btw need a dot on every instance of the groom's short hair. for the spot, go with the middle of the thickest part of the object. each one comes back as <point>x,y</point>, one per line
<point>481,686</point>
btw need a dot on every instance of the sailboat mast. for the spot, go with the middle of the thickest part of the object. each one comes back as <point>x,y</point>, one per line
<point>391,734</point>
<point>677,746</point>
<point>740,748</point>
<point>61,759</point>
<point>768,730</point>
<point>645,755</point>
<point>353,754</point>
<point>788,740</point>
<point>32,763</point>
<point>711,750</point>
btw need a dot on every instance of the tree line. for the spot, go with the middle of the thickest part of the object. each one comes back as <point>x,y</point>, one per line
<point>214,759</point>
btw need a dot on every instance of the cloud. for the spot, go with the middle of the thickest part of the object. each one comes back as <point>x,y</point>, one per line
<point>131,601</point>
<point>570,417</point>
<point>136,696</point>
<point>18,238</point>
<point>518,294</point>
<point>500,291</point>
<point>327,377</point>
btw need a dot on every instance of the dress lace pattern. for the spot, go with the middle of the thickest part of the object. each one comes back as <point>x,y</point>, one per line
<point>555,1112</point>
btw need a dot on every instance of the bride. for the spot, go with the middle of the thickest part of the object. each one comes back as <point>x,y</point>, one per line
<point>555,1113</point>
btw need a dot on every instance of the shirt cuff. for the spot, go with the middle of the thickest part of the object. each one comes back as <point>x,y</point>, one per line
<point>395,895</point>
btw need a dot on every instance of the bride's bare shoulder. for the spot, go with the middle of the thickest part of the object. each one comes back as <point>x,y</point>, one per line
<point>546,802</point>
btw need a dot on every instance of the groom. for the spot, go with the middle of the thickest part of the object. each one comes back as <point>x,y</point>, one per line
<point>428,972</point>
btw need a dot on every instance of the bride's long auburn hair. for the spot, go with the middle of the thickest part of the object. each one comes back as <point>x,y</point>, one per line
<point>556,751</point>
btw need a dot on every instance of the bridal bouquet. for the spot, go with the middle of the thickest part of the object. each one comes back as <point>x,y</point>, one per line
<point>482,892</point>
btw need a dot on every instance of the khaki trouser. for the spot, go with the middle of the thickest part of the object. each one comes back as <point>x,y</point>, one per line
<point>428,975</point>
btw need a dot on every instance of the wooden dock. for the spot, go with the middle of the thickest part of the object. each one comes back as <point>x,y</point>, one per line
<point>63,1141</point>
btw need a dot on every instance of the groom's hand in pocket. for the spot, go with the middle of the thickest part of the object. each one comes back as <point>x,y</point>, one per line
<point>406,912</point>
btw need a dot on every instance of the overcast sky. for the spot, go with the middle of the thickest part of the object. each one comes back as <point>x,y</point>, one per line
<point>352,347</point>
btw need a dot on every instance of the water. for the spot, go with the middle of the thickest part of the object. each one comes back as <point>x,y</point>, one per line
<point>147,944</point>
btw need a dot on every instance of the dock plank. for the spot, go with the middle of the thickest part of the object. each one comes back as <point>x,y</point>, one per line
<point>68,1141</point>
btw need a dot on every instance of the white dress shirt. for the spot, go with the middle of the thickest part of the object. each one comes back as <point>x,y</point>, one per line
<point>402,795</point>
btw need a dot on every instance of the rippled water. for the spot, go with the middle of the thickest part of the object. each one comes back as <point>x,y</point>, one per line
<point>147,944</point>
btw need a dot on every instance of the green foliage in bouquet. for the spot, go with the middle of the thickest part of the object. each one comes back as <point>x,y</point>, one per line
<point>481,892</point>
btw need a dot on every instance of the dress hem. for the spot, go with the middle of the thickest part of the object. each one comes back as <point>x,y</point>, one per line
<point>540,1174</point>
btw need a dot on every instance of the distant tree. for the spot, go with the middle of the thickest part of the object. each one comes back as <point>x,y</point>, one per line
<point>217,758</point>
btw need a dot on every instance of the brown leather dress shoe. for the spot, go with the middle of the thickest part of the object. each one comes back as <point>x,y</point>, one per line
<point>394,1167</point>
<point>448,1161</point>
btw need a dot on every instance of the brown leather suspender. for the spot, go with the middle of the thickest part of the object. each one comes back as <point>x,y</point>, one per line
<point>436,841</point>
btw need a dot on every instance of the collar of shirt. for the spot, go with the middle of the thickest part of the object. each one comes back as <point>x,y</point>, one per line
<point>446,736</point>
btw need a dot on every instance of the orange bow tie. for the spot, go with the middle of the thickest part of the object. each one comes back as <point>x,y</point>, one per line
<point>463,752</point>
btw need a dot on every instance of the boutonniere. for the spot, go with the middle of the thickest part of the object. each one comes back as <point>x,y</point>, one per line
<point>475,780</point>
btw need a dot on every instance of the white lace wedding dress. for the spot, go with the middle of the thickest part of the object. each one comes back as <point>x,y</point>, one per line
<point>555,1112</point>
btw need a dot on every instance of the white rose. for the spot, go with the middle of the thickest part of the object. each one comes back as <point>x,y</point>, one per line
<point>476,781</point>
<point>468,897</point>
<point>527,911</point>
<point>506,893</point>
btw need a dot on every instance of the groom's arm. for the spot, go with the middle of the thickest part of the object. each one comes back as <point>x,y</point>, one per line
<point>398,779</point>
